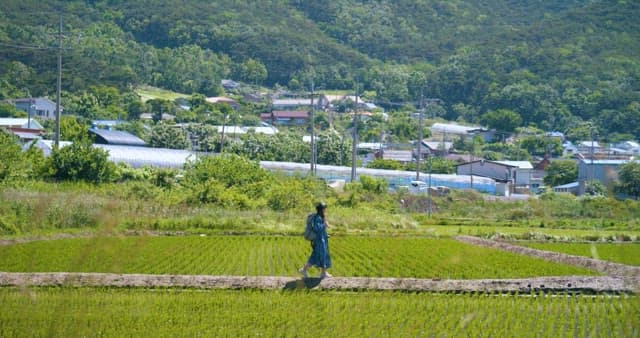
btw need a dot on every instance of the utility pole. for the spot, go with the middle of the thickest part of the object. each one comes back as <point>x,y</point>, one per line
<point>313,134</point>
<point>31,105</point>
<point>430,102</point>
<point>354,148</point>
<point>420,119</point>
<point>471,153</point>
<point>224,123</point>
<point>59,85</point>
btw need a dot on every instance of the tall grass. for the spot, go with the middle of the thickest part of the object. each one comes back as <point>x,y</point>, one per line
<point>38,207</point>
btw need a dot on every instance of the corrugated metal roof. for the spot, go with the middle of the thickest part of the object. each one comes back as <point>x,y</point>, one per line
<point>116,137</point>
<point>518,164</point>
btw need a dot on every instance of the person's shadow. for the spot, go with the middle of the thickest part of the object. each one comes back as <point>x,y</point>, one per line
<point>303,283</point>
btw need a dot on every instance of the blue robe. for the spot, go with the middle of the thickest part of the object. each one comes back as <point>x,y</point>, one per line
<point>320,255</point>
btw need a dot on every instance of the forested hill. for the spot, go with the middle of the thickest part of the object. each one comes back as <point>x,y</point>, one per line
<point>554,63</point>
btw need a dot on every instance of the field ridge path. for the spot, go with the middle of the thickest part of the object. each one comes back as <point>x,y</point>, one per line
<point>521,285</point>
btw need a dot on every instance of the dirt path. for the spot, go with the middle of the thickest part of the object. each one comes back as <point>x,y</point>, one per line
<point>526,285</point>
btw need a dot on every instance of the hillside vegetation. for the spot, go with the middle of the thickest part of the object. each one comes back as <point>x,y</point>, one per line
<point>554,63</point>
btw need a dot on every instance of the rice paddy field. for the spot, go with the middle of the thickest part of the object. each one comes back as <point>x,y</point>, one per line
<point>66,312</point>
<point>275,256</point>
<point>624,253</point>
<point>185,312</point>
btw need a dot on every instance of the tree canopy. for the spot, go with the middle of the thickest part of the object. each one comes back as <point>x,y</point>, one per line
<point>555,64</point>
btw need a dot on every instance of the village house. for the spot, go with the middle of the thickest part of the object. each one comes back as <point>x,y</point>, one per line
<point>40,107</point>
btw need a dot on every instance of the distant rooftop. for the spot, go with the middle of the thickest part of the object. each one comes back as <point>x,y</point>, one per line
<point>518,164</point>
<point>132,155</point>
<point>116,137</point>
<point>454,128</point>
<point>20,123</point>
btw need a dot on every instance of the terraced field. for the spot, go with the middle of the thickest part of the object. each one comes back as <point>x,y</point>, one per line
<point>248,285</point>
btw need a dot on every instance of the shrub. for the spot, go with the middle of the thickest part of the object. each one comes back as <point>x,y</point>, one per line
<point>288,195</point>
<point>374,185</point>
<point>81,162</point>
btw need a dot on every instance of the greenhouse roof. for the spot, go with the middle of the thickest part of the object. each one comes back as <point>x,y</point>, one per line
<point>134,156</point>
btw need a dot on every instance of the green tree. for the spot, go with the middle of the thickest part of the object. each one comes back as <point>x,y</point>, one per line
<point>254,71</point>
<point>73,129</point>
<point>441,165</point>
<point>16,164</point>
<point>629,176</point>
<point>504,120</point>
<point>380,163</point>
<point>561,172</point>
<point>166,136</point>
<point>331,149</point>
<point>541,145</point>
<point>80,161</point>
<point>8,110</point>
<point>10,153</point>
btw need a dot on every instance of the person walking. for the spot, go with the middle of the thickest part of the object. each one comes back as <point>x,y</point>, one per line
<point>320,256</point>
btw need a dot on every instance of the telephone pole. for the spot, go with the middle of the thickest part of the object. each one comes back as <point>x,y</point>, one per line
<point>420,130</point>
<point>354,148</point>
<point>313,134</point>
<point>422,110</point>
<point>59,85</point>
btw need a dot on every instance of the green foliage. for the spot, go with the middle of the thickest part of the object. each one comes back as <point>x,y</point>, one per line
<point>565,62</point>
<point>288,195</point>
<point>441,165</point>
<point>284,146</point>
<point>80,161</point>
<point>380,163</point>
<point>374,185</point>
<point>541,146</point>
<point>333,149</point>
<point>595,188</point>
<point>228,180</point>
<point>253,71</point>
<point>7,227</point>
<point>166,136</point>
<point>9,110</point>
<point>561,172</point>
<point>15,164</point>
<point>10,152</point>
<point>503,120</point>
<point>629,175</point>
<point>72,129</point>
